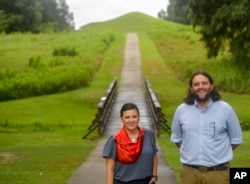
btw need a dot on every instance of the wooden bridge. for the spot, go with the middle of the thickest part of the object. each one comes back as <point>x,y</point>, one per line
<point>132,88</point>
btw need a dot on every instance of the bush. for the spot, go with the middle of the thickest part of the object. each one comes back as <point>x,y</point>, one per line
<point>64,51</point>
<point>35,62</point>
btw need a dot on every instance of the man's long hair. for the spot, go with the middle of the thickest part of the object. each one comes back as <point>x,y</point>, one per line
<point>215,96</point>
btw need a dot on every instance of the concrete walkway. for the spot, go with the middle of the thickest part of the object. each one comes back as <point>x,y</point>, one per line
<point>131,89</point>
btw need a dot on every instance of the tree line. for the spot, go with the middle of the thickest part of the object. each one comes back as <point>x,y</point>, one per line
<point>35,16</point>
<point>224,25</point>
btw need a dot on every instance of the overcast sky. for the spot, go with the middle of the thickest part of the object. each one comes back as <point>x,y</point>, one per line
<point>88,11</point>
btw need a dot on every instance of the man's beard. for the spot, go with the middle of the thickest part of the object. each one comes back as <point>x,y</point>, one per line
<point>204,99</point>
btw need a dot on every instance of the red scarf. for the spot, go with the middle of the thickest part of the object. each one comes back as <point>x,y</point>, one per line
<point>128,152</point>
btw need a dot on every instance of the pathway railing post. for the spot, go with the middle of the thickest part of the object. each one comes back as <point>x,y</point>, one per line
<point>158,116</point>
<point>104,108</point>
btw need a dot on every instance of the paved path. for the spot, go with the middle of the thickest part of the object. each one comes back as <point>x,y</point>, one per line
<point>131,89</point>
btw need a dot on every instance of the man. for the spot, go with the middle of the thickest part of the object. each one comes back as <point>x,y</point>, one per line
<point>207,130</point>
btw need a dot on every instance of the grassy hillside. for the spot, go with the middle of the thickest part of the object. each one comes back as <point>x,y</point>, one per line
<point>47,129</point>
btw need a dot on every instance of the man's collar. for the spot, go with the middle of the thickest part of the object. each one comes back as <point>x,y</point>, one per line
<point>208,104</point>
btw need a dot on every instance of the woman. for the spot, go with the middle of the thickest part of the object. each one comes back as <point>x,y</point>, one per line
<point>131,154</point>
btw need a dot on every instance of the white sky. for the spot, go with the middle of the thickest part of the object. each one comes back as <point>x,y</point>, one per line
<point>88,11</point>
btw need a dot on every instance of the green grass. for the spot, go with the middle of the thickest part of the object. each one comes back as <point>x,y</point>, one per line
<point>41,137</point>
<point>60,62</point>
<point>39,158</point>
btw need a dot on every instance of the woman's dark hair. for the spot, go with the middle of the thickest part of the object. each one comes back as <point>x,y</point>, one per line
<point>128,106</point>
<point>189,99</point>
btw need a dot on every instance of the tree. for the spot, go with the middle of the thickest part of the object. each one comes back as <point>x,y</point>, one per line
<point>3,21</point>
<point>56,14</point>
<point>35,16</point>
<point>21,15</point>
<point>162,14</point>
<point>66,19</point>
<point>177,11</point>
<point>224,24</point>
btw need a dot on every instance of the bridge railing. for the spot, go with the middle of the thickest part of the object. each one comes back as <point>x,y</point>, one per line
<point>104,108</point>
<point>160,122</point>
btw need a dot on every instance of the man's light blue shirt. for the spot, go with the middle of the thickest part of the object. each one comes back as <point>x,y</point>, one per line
<point>206,135</point>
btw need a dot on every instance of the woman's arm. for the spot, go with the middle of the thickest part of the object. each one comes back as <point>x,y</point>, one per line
<point>110,167</point>
<point>155,167</point>
<point>155,164</point>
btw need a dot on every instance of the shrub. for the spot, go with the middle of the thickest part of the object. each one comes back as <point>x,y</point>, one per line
<point>35,62</point>
<point>65,51</point>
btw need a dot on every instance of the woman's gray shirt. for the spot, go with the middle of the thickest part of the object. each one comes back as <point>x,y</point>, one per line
<point>142,168</point>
